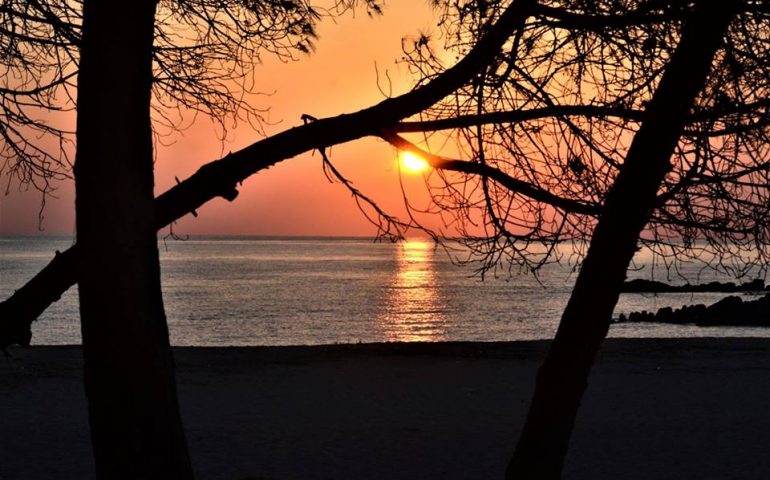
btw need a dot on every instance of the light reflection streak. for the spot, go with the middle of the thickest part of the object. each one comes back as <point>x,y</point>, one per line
<point>414,309</point>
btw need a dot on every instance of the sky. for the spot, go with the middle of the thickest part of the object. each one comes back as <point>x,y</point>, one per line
<point>294,197</point>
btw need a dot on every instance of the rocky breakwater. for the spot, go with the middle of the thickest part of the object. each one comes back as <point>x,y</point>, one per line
<point>653,286</point>
<point>731,311</point>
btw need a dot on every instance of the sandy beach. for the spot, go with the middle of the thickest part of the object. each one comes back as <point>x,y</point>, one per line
<point>655,409</point>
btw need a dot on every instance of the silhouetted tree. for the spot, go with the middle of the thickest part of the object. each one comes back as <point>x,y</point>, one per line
<point>129,375</point>
<point>617,122</point>
<point>563,377</point>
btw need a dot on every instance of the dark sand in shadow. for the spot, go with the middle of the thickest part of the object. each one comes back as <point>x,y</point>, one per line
<point>655,409</point>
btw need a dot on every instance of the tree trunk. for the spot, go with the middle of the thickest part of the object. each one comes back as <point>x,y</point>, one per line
<point>562,379</point>
<point>136,430</point>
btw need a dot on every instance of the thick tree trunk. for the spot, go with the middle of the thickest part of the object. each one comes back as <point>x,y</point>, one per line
<point>562,379</point>
<point>129,374</point>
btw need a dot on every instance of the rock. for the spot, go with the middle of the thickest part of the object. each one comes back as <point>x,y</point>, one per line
<point>653,286</point>
<point>730,311</point>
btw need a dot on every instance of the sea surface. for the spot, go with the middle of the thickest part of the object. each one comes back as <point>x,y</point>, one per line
<point>302,291</point>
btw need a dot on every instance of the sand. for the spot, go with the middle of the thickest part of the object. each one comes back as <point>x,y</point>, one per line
<point>655,409</point>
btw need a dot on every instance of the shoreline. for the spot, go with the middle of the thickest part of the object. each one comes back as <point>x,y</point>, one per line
<point>655,408</point>
<point>440,346</point>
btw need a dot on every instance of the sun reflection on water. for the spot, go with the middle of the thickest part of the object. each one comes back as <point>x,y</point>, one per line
<point>414,309</point>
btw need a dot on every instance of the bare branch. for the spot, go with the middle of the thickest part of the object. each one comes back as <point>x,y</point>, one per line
<point>513,185</point>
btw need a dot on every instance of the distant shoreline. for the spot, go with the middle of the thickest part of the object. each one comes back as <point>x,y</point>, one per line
<point>456,347</point>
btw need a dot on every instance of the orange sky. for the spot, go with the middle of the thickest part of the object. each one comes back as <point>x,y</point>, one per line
<point>293,198</point>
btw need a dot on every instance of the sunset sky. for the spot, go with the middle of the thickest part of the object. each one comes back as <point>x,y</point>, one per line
<point>293,198</point>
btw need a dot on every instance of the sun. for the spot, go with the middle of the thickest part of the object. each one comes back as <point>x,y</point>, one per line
<point>413,162</point>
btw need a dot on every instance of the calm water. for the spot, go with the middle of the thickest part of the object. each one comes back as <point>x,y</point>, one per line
<point>245,291</point>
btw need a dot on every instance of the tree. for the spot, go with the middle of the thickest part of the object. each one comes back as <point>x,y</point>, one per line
<point>563,377</point>
<point>129,375</point>
<point>597,197</point>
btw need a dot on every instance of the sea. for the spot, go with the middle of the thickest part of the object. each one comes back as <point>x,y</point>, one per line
<point>239,291</point>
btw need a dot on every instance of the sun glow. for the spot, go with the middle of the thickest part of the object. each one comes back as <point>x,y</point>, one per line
<point>413,162</point>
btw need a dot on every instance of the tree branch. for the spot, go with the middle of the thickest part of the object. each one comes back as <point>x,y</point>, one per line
<point>485,170</point>
<point>644,15</point>
<point>516,116</point>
